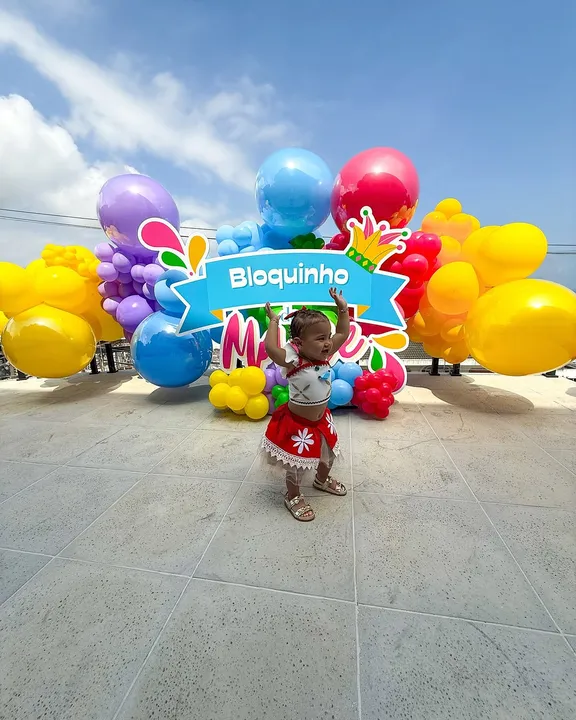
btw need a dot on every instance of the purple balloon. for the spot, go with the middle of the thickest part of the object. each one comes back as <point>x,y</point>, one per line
<point>110,306</point>
<point>148,291</point>
<point>270,379</point>
<point>137,273</point>
<point>104,252</point>
<point>151,273</point>
<point>125,201</point>
<point>272,404</point>
<point>122,263</point>
<point>138,287</point>
<point>107,271</point>
<point>125,278</point>
<point>108,289</point>
<point>131,311</point>
<point>279,379</point>
<point>126,290</point>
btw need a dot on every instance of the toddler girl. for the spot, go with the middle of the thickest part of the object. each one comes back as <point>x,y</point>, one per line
<point>301,434</point>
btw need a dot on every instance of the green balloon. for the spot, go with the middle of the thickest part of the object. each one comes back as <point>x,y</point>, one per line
<point>282,398</point>
<point>277,390</point>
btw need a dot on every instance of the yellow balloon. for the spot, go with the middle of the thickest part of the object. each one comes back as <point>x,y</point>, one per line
<point>453,288</point>
<point>425,326</point>
<point>218,376</point>
<point>3,321</point>
<point>48,342</point>
<point>523,327</point>
<point>473,243</point>
<point>450,250</point>
<point>461,225</point>
<point>512,252</point>
<point>452,331</point>
<point>449,207</point>
<point>35,266</point>
<point>62,288</point>
<point>104,326</point>
<point>239,412</point>
<point>457,353</point>
<point>252,380</point>
<point>234,377</point>
<point>16,290</point>
<point>435,347</point>
<point>257,407</point>
<point>435,222</point>
<point>237,398</point>
<point>219,395</point>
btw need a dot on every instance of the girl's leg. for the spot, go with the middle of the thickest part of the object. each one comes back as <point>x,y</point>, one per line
<point>293,482</point>
<point>323,476</point>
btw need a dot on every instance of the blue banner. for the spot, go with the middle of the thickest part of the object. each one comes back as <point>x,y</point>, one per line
<point>286,278</point>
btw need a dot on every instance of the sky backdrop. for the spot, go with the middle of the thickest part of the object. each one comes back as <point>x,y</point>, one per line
<point>197,93</point>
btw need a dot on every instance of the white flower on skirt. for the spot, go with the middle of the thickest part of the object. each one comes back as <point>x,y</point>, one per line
<point>330,422</point>
<point>303,440</point>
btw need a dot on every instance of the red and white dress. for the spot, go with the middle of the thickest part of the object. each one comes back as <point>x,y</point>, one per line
<point>295,441</point>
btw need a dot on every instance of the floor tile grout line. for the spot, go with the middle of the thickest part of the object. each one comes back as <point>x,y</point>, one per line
<point>122,567</point>
<point>141,478</point>
<point>27,552</point>
<point>174,607</point>
<point>356,609</point>
<point>11,497</point>
<point>458,618</point>
<point>505,543</point>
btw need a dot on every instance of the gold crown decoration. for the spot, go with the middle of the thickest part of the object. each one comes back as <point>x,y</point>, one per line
<point>372,242</point>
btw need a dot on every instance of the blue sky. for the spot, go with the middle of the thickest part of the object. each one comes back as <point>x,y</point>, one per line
<point>478,95</point>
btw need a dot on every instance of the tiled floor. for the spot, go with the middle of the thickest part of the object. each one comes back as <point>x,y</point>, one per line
<point>148,568</point>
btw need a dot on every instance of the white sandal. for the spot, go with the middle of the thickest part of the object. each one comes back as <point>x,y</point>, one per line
<point>326,486</point>
<point>299,511</point>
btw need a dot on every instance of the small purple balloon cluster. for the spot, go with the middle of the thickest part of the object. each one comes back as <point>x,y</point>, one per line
<point>128,286</point>
<point>276,387</point>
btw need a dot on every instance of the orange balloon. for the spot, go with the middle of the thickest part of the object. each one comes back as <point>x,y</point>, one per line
<point>435,347</point>
<point>457,353</point>
<point>450,251</point>
<point>461,225</point>
<point>452,331</point>
<point>473,242</point>
<point>435,222</point>
<point>453,288</point>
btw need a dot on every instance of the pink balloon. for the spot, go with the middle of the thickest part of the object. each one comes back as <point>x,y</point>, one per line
<point>415,267</point>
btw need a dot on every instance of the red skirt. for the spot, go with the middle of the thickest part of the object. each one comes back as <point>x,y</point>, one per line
<point>297,442</point>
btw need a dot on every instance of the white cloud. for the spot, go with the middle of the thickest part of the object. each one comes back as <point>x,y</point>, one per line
<point>124,113</point>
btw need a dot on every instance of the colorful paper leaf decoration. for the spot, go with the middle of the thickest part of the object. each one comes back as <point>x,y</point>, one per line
<point>171,259</point>
<point>376,360</point>
<point>197,251</point>
<point>158,234</point>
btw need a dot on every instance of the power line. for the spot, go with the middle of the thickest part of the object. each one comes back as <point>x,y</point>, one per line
<point>183,227</point>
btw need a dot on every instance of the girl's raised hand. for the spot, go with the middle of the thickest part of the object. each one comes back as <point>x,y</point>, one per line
<point>339,299</point>
<point>271,314</point>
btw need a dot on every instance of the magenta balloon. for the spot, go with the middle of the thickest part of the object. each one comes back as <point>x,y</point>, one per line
<point>125,201</point>
<point>151,273</point>
<point>122,263</point>
<point>110,306</point>
<point>270,379</point>
<point>104,252</point>
<point>137,273</point>
<point>131,311</point>
<point>107,271</point>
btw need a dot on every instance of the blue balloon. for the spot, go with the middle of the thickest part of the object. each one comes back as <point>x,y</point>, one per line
<point>165,296</point>
<point>248,249</point>
<point>216,334</point>
<point>341,392</point>
<point>331,405</point>
<point>166,359</point>
<point>242,236</point>
<point>332,376</point>
<point>348,372</point>
<point>228,247</point>
<point>224,232</point>
<point>293,189</point>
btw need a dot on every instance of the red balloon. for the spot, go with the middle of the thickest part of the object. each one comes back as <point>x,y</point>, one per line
<point>361,383</point>
<point>415,267</point>
<point>382,411</point>
<point>373,395</point>
<point>426,244</point>
<point>383,179</point>
<point>388,401</point>
<point>368,408</point>
<point>359,397</point>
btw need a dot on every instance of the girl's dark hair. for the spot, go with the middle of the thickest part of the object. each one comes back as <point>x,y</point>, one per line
<point>303,319</point>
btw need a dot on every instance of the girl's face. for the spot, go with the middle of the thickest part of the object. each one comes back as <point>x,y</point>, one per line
<point>316,342</point>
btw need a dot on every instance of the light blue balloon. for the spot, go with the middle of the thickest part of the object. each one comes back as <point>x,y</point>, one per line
<point>293,189</point>
<point>165,296</point>
<point>242,235</point>
<point>228,247</point>
<point>332,376</point>
<point>331,405</point>
<point>166,359</point>
<point>248,249</point>
<point>348,372</point>
<point>341,392</point>
<point>224,232</point>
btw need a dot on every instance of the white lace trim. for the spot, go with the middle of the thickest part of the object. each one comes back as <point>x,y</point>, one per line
<point>296,461</point>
